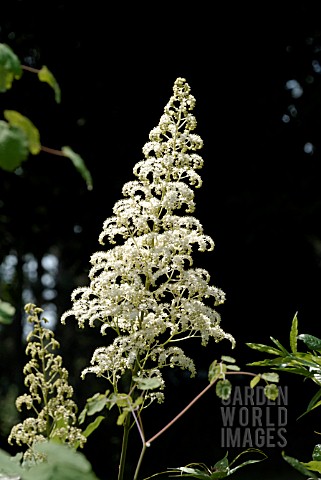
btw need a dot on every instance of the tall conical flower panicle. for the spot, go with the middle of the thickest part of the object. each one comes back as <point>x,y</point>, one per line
<point>145,287</point>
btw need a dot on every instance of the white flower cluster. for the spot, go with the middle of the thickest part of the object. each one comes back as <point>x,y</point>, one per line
<point>145,287</point>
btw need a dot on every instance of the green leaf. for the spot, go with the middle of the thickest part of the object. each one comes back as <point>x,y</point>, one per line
<point>93,426</point>
<point>247,462</point>
<point>10,67</point>
<point>277,362</point>
<point>62,462</point>
<point>299,466</point>
<point>222,465</point>
<point>313,465</point>
<point>314,403</point>
<point>294,334</point>
<point>45,75</point>
<point>122,417</point>
<point>79,164</point>
<point>223,389</point>
<point>147,383</point>
<point>9,466</point>
<point>278,344</point>
<point>264,348</point>
<point>96,403</point>
<point>226,358</point>
<point>271,391</point>
<point>313,343</point>
<point>7,312</point>
<point>13,147</point>
<point>119,399</point>
<point>193,472</point>
<point>235,368</point>
<point>15,119</point>
<point>316,455</point>
<point>215,371</point>
<point>270,377</point>
<point>255,381</point>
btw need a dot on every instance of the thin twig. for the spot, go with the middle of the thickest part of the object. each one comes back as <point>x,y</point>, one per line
<point>192,403</point>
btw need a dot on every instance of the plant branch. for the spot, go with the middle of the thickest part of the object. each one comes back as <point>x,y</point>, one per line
<point>192,403</point>
<point>30,69</point>
<point>52,151</point>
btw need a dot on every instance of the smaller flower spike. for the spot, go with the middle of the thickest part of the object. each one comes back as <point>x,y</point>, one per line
<point>145,287</point>
<point>50,396</point>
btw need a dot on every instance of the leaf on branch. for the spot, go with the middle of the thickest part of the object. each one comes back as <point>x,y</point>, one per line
<point>271,391</point>
<point>228,359</point>
<point>147,383</point>
<point>79,164</point>
<point>255,381</point>
<point>270,377</point>
<point>13,147</point>
<point>313,343</point>
<point>45,75</point>
<point>264,348</point>
<point>10,67</point>
<point>235,368</point>
<point>93,426</point>
<point>294,334</point>
<point>316,455</point>
<point>7,312</point>
<point>17,120</point>
<point>223,389</point>
<point>215,371</point>
<point>299,466</point>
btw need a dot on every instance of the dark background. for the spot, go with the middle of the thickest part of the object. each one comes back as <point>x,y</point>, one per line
<point>260,200</point>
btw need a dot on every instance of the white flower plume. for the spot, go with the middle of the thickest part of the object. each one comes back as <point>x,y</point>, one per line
<point>145,287</point>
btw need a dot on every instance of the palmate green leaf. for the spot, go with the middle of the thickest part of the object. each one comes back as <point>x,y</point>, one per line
<point>94,405</point>
<point>271,391</point>
<point>45,75</point>
<point>223,389</point>
<point>294,334</point>
<point>7,312</point>
<point>299,466</point>
<point>17,120</point>
<point>14,147</point>
<point>147,383</point>
<point>9,466</point>
<point>264,348</point>
<point>313,343</point>
<point>79,164</point>
<point>10,67</point>
<point>62,462</point>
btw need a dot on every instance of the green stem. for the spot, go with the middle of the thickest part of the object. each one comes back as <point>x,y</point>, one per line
<point>142,453</point>
<point>124,448</point>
